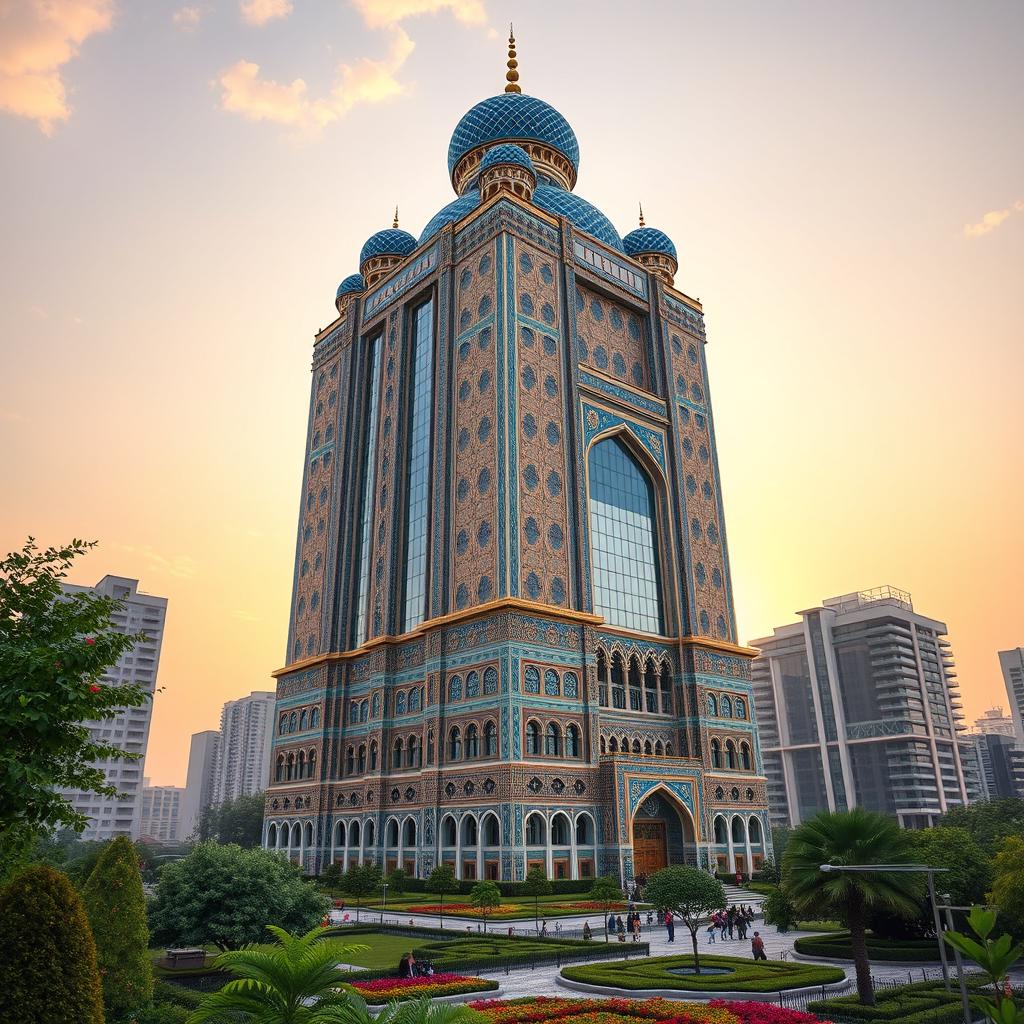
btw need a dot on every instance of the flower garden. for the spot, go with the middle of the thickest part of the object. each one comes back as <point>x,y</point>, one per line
<point>542,1010</point>
<point>723,974</point>
<point>509,911</point>
<point>385,990</point>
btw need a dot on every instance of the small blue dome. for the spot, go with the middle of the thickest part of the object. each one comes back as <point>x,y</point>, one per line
<point>389,242</point>
<point>507,153</point>
<point>352,283</point>
<point>452,213</point>
<point>509,117</point>
<point>582,214</point>
<point>649,240</point>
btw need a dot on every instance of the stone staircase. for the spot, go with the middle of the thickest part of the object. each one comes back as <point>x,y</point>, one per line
<point>734,894</point>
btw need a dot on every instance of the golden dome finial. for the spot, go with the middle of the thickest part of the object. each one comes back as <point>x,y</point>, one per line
<point>395,223</point>
<point>642,224</point>
<point>512,75</point>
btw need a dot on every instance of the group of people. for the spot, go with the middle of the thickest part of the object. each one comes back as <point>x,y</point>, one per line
<point>731,923</point>
<point>621,928</point>
<point>409,967</point>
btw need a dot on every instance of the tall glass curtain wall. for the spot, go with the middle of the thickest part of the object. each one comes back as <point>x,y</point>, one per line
<point>627,590</point>
<point>421,407</point>
<point>368,482</point>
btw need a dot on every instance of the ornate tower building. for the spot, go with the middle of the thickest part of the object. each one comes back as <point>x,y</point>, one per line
<point>512,639</point>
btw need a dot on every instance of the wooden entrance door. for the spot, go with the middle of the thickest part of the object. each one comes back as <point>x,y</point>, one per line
<point>650,849</point>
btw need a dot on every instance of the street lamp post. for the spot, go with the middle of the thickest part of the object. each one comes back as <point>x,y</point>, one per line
<point>384,906</point>
<point>918,869</point>
<point>965,1001</point>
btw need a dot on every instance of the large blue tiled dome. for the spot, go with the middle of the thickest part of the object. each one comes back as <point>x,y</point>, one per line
<point>511,116</point>
<point>507,153</point>
<point>352,283</point>
<point>581,213</point>
<point>649,240</point>
<point>389,242</point>
<point>451,213</point>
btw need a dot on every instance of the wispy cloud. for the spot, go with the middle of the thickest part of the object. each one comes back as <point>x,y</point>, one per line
<point>992,220</point>
<point>245,92</point>
<point>259,12</point>
<point>385,13</point>
<point>186,18</point>
<point>37,38</point>
<point>243,616</point>
<point>180,566</point>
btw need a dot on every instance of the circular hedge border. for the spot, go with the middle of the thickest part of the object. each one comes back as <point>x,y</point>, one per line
<point>746,978</point>
<point>836,946</point>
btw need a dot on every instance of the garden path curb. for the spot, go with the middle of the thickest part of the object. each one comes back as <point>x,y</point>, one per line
<point>830,989</point>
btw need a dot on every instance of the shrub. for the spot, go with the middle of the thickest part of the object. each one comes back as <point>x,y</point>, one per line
<point>925,1002</point>
<point>778,910</point>
<point>744,975</point>
<point>48,972</point>
<point>384,990</point>
<point>837,945</point>
<point>116,907</point>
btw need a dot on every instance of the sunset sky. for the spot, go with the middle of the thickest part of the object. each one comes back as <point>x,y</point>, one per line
<point>184,185</point>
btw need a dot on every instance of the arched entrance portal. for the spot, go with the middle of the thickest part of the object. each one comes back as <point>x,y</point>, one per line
<point>662,835</point>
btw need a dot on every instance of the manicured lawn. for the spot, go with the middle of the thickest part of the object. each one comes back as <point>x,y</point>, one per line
<point>724,974</point>
<point>926,1002</point>
<point>819,926</point>
<point>838,945</point>
<point>382,950</point>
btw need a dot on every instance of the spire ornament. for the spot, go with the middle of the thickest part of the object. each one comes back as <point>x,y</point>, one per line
<point>642,222</point>
<point>512,75</point>
<point>395,222</point>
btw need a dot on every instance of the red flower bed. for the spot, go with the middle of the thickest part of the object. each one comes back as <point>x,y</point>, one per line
<point>467,909</point>
<point>752,1012</point>
<point>588,905</point>
<point>383,990</point>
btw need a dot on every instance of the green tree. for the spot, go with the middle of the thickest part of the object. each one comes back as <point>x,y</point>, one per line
<point>116,907</point>
<point>607,892</point>
<point>1008,884</point>
<point>48,972</point>
<point>237,821</point>
<point>778,909</point>
<point>397,881</point>
<point>360,881</point>
<point>226,895</point>
<point>686,893</point>
<point>295,981</point>
<point>855,838</point>
<point>485,896</point>
<point>331,875</point>
<point>536,885</point>
<point>989,821</point>
<point>442,881</point>
<point>54,651</point>
<point>423,1011</point>
<point>780,837</point>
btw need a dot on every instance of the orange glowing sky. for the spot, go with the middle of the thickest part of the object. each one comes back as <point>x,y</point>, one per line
<point>184,184</point>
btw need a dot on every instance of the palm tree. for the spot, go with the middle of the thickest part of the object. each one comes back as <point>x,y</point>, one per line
<point>850,838</point>
<point>294,981</point>
<point>422,1011</point>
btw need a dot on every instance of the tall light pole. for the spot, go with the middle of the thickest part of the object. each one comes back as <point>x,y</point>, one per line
<point>965,1001</point>
<point>908,868</point>
<point>384,886</point>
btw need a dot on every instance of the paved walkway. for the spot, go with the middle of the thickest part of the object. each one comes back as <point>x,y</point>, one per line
<point>541,981</point>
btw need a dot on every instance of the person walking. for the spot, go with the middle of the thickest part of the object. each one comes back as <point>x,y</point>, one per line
<point>711,933</point>
<point>670,926</point>
<point>611,923</point>
<point>741,926</point>
<point>757,947</point>
<point>620,928</point>
<point>636,927</point>
<point>587,934</point>
<point>731,915</point>
<point>723,923</point>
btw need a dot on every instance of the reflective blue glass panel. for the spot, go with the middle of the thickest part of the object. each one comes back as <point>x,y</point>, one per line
<point>366,514</point>
<point>627,590</point>
<point>421,402</point>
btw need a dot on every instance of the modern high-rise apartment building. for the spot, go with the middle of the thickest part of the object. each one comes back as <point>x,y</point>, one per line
<point>242,765</point>
<point>111,816</point>
<point>160,818</point>
<point>1012,664</point>
<point>858,705</point>
<point>993,766</point>
<point>202,762</point>
<point>994,722</point>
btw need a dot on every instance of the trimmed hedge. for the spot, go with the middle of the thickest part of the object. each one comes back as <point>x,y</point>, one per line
<point>744,975</point>
<point>925,1002</point>
<point>559,887</point>
<point>838,945</point>
<point>449,950</point>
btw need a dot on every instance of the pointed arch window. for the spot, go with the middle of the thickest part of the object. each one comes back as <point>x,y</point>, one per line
<point>627,588</point>
<point>369,472</point>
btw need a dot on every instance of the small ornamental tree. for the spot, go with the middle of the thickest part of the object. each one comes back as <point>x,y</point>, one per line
<point>48,972</point>
<point>116,908</point>
<point>331,875</point>
<point>778,909</point>
<point>689,894</point>
<point>227,895</point>
<point>996,958</point>
<point>442,881</point>
<point>485,896</point>
<point>54,650</point>
<point>360,881</point>
<point>536,885</point>
<point>397,881</point>
<point>606,891</point>
<point>234,821</point>
<point>1008,884</point>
